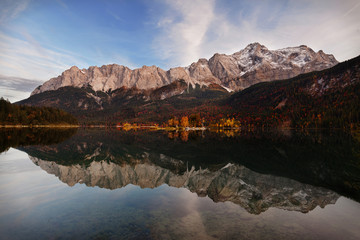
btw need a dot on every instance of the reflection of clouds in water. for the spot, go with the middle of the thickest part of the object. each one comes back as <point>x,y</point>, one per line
<point>15,171</point>
<point>192,222</point>
<point>183,216</point>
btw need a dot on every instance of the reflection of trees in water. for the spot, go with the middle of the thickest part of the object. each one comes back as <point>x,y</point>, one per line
<point>15,137</point>
<point>182,135</point>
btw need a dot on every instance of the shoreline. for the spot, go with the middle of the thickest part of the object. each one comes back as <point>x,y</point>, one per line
<point>40,126</point>
<point>157,128</point>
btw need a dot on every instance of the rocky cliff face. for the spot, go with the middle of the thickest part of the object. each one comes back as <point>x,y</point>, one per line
<point>240,70</point>
<point>253,191</point>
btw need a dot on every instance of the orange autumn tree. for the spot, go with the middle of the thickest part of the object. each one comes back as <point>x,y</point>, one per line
<point>184,122</point>
<point>173,122</point>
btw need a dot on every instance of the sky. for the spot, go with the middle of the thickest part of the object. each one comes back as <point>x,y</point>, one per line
<point>39,39</point>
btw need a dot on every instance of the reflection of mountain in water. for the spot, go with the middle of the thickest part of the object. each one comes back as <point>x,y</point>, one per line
<point>289,171</point>
<point>253,191</point>
<point>329,160</point>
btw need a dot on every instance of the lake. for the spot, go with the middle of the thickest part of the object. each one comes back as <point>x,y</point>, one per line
<point>112,184</point>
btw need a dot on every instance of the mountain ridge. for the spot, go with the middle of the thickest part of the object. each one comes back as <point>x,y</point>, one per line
<point>255,63</point>
<point>327,98</point>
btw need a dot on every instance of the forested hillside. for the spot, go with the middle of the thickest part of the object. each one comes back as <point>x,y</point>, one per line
<point>11,114</point>
<point>328,98</point>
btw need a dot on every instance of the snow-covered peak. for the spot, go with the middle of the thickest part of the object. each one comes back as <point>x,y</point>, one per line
<point>255,46</point>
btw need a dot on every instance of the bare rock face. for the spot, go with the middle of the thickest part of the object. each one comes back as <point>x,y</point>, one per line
<point>253,64</point>
<point>201,71</point>
<point>178,73</point>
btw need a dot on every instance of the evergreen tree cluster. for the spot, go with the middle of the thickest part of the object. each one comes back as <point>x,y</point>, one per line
<point>11,114</point>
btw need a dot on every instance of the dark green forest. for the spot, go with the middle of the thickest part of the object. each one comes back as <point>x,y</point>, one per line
<point>11,114</point>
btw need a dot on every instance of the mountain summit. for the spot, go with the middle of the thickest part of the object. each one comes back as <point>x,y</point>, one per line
<point>237,71</point>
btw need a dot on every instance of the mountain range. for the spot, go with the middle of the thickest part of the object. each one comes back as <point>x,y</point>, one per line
<point>234,72</point>
<point>294,86</point>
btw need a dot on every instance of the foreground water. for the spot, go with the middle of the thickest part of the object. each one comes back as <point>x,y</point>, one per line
<point>108,184</point>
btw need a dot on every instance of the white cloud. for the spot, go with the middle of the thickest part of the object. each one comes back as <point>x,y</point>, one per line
<point>15,88</point>
<point>195,29</point>
<point>13,95</point>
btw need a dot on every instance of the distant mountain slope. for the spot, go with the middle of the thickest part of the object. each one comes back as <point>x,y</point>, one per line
<point>237,71</point>
<point>328,98</point>
<point>129,104</point>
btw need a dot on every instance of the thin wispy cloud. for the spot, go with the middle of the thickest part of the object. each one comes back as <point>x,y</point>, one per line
<point>352,9</point>
<point>11,9</point>
<point>332,26</point>
<point>62,4</point>
<point>31,59</point>
<point>114,15</point>
<point>25,60</point>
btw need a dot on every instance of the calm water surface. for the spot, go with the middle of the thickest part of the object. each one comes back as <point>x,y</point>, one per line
<point>108,184</point>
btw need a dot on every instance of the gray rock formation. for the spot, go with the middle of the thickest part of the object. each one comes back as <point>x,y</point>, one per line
<point>234,72</point>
